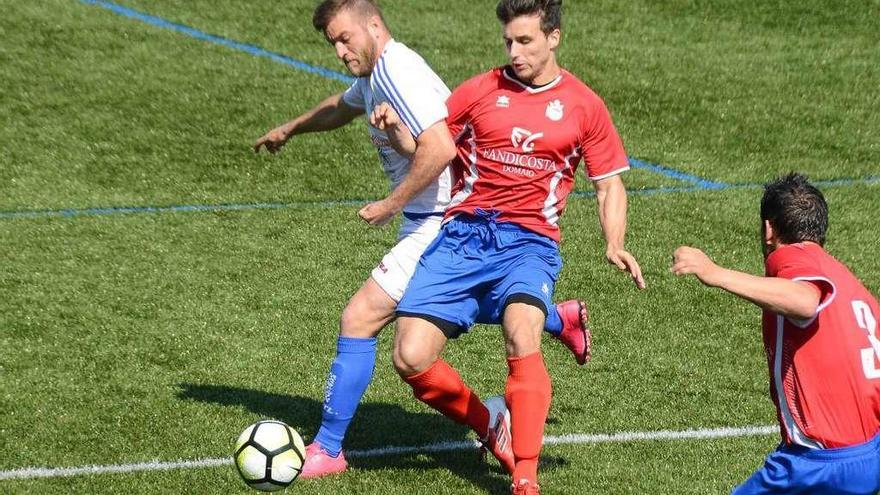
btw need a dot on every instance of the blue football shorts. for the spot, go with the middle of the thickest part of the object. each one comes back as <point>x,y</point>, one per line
<point>795,470</point>
<point>475,268</point>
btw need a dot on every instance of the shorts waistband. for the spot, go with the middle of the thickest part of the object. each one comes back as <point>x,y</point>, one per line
<point>857,450</point>
<point>483,217</point>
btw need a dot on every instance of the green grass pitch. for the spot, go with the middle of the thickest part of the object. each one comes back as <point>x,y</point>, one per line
<point>129,338</point>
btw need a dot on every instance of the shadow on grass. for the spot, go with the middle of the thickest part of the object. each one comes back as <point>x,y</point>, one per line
<point>375,425</point>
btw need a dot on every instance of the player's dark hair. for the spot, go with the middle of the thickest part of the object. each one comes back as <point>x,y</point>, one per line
<point>549,10</point>
<point>796,210</point>
<point>328,9</point>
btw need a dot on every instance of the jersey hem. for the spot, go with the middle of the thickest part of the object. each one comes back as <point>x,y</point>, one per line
<point>609,174</point>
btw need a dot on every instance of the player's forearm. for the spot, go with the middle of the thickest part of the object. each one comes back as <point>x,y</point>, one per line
<point>796,300</point>
<point>612,203</point>
<point>434,151</point>
<point>401,140</point>
<point>327,115</point>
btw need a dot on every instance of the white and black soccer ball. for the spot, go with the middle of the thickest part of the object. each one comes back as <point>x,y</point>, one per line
<point>269,455</point>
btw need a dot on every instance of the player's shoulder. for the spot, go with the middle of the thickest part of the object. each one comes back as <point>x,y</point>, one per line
<point>398,57</point>
<point>481,83</point>
<point>802,259</point>
<point>574,85</point>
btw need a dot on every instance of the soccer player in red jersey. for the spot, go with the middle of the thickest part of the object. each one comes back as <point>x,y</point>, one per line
<point>822,344</point>
<point>520,131</point>
<point>388,73</point>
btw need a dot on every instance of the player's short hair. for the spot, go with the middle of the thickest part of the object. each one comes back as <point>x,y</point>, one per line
<point>328,9</point>
<point>797,211</point>
<point>549,10</point>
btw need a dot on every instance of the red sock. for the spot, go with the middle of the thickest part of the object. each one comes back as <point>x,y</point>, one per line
<point>527,394</point>
<point>441,387</point>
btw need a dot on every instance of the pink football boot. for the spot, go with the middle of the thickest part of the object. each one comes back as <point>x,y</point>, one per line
<point>319,463</point>
<point>575,332</point>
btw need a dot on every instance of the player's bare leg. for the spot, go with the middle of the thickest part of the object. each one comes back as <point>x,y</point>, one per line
<point>418,344</point>
<point>527,392</point>
<point>367,312</point>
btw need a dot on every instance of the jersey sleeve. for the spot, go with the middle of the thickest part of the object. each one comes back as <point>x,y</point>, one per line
<point>414,91</point>
<point>354,95</point>
<point>792,263</point>
<point>459,106</point>
<point>602,147</point>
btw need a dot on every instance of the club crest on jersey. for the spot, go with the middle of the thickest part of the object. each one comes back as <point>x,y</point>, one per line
<point>525,138</point>
<point>502,102</point>
<point>554,110</point>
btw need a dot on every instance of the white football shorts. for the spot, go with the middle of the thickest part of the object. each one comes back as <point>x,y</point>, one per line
<point>398,266</point>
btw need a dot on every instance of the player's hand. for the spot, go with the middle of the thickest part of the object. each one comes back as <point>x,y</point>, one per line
<point>273,140</point>
<point>378,213</point>
<point>691,261</point>
<point>384,117</point>
<point>627,263</point>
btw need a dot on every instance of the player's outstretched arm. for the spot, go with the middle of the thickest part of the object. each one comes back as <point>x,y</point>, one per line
<point>327,115</point>
<point>385,118</point>
<point>611,196</point>
<point>434,149</point>
<point>795,300</point>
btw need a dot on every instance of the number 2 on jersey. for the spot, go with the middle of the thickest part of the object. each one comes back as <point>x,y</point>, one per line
<point>867,322</point>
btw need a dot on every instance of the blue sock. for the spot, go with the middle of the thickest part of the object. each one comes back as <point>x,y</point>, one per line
<point>349,376</point>
<point>553,323</point>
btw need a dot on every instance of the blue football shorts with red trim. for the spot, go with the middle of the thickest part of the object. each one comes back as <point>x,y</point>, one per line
<point>476,267</point>
<point>794,470</point>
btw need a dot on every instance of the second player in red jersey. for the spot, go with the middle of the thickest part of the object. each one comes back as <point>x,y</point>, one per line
<point>519,146</point>
<point>827,368</point>
<point>820,335</point>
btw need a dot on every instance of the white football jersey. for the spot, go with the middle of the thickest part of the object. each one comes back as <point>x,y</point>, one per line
<point>404,80</point>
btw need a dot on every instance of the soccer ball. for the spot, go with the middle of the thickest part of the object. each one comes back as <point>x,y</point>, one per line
<point>269,455</point>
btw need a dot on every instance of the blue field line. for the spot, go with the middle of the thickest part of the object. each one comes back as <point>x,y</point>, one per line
<point>260,52</point>
<point>195,33</point>
<point>677,174</point>
<point>870,180</point>
<point>128,210</point>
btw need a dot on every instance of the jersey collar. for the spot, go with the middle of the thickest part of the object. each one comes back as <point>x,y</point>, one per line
<point>531,89</point>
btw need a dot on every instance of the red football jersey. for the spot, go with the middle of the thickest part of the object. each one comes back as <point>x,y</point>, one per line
<point>519,146</point>
<point>828,368</point>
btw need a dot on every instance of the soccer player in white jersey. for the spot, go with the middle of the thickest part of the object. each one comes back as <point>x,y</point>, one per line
<point>387,72</point>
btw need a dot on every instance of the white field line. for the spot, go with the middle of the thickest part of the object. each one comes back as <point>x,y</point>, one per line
<point>34,472</point>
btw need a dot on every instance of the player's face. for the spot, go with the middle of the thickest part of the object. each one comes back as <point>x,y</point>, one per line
<point>530,50</point>
<point>353,41</point>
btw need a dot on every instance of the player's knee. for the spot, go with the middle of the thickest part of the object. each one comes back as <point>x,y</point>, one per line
<point>410,358</point>
<point>522,341</point>
<point>358,320</point>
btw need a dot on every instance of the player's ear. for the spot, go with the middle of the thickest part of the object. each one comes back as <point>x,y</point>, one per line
<point>375,26</point>
<point>554,38</point>
<point>767,233</point>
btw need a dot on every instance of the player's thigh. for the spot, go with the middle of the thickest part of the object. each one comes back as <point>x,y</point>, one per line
<point>418,343</point>
<point>367,312</point>
<point>523,323</point>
